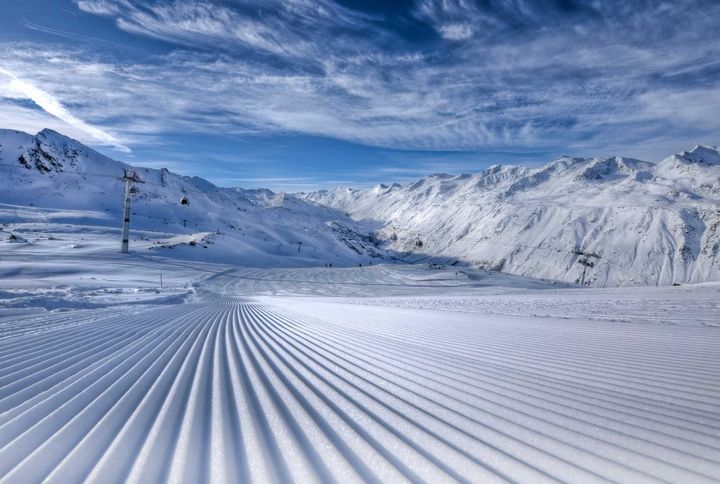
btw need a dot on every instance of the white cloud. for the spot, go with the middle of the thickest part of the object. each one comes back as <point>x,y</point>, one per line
<point>101,7</point>
<point>52,106</point>
<point>456,31</point>
<point>584,88</point>
<point>203,23</point>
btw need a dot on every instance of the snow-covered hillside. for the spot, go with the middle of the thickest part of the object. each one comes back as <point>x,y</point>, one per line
<point>145,367</point>
<point>410,375</point>
<point>649,223</point>
<point>66,182</point>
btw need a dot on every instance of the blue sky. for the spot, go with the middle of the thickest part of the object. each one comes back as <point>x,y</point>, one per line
<point>301,94</point>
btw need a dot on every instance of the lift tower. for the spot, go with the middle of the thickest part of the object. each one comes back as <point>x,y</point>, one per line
<point>586,261</point>
<point>129,178</point>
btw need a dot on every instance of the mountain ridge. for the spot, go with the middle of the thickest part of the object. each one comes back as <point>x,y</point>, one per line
<point>654,223</point>
<point>650,223</point>
<point>248,227</point>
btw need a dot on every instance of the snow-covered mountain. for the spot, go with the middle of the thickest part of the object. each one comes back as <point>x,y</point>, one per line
<point>649,223</point>
<point>67,182</point>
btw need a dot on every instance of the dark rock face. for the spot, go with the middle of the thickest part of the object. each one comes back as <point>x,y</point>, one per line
<point>46,153</point>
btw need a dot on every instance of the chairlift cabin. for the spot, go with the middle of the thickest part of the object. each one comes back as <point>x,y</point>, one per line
<point>134,191</point>
<point>394,237</point>
<point>419,243</point>
<point>184,200</point>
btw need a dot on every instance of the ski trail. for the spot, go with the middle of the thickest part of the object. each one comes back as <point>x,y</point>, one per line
<point>233,390</point>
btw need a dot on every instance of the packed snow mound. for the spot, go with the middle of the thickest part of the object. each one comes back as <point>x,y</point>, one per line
<point>60,181</point>
<point>649,223</point>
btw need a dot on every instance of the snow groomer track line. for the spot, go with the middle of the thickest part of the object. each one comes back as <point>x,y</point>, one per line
<point>238,390</point>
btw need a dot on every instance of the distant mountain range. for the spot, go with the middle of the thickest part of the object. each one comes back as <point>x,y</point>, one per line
<point>648,223</point>
<point>601,221</point>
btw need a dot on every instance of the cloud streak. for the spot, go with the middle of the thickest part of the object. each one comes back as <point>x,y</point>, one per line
<point>587,76</point>
<point>53,107</point>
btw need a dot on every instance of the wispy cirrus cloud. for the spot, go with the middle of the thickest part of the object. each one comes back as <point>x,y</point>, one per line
<point>15,87</point>
<point>456,31</point>
<point>282,27</point>
<point>509,74</point>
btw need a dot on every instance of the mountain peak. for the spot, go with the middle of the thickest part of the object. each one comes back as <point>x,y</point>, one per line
<point>703,154</point>
<point>602,168</point>
<point>52,136</point>
<point>699,155</point>
<point>51,133</point>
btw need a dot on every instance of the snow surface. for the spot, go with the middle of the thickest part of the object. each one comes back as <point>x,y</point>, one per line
<point>221,351</point>
<point>387,373</point>
<point>651,223</point>
<point>49,182</point>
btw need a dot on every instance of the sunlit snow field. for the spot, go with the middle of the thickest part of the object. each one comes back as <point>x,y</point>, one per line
<point>381,373</point>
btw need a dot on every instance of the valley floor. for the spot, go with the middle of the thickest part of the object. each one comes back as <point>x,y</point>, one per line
<point>382,373</point>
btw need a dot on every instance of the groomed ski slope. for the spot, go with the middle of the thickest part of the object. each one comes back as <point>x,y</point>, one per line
<point>240,385</point>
